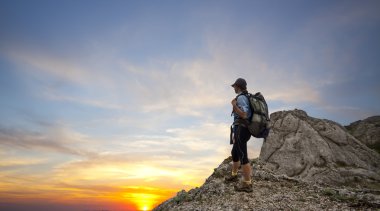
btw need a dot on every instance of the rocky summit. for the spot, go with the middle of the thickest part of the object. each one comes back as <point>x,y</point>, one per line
<point>318,150</point>
<point>305,164</point>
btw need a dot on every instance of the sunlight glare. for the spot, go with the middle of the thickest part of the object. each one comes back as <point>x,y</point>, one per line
<point>143,201</point>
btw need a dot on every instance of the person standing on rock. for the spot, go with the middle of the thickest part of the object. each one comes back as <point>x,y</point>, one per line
<point>240,135</point>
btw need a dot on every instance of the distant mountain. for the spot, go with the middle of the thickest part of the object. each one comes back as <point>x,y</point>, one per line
<point>305,164</point>
<point>367,131</point>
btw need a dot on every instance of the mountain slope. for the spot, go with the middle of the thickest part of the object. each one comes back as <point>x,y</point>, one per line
<point>305,164</point>
<point>271,192</point>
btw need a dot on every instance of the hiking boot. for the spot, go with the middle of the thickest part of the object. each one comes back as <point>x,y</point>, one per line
<point>243,187</point>
<point>231,178</point>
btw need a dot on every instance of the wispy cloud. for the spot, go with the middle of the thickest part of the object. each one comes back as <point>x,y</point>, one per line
<point>53,140</point>
<point>14,162</point>
<point>52,95</point>
<point>185,87</point>
<point>43,63</point>
<point>158,161</point>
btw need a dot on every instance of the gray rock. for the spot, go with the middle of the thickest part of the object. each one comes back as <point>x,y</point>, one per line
<point>318,150</point>
<point>367,131</point>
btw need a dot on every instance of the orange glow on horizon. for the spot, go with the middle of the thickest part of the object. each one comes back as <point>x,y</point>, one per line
<point>138,198</point>
<point>144,201</point>
<point>109,186</point>
<point>147,198</point>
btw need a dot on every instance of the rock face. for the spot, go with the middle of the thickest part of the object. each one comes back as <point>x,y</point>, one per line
<point>316,150</point>
<point>367,131</point>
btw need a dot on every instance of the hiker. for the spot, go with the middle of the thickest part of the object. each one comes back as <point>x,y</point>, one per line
<point>240,135</point>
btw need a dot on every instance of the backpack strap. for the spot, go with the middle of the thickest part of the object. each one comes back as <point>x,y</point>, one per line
<point>245,93</point>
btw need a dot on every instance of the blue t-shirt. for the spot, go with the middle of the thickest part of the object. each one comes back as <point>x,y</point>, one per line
<point>243,103</point>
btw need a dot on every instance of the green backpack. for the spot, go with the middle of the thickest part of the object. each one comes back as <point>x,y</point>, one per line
<point>258,122</point>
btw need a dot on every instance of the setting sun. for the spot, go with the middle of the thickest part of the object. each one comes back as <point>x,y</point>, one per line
<point>143,201</point>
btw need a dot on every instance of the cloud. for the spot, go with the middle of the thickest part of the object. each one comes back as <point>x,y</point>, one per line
<point>52,140</point>
<point>156,161</point>
<point>203,137</point>
<point>52,95</point>
<point>14,162</point>
<point>178,145</point>
<point>191,87</point>
<point>185,86</point>
<point>43,63</point>
<point>84,176</point>
<point>129,159</point>
<point>173,86</point>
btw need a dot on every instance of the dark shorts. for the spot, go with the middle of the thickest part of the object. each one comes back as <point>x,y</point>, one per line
<point>239,149</point>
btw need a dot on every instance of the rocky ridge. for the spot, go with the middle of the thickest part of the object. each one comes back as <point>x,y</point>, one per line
<point>367,131</point>
<point>305,164</point>
<point>318,150</point>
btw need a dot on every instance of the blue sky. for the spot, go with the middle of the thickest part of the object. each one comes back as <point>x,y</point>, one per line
<point>147,83</point>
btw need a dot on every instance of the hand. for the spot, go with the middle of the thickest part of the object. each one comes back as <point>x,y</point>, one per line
<point>233,102</point>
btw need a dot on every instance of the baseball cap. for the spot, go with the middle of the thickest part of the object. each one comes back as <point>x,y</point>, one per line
<point>240,82</point>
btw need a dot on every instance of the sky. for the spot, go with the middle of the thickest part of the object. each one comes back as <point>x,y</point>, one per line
<point>118,105</point>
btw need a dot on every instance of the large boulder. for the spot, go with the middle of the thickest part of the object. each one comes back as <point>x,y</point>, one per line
<point>318,151</point>
<point>367,131</point>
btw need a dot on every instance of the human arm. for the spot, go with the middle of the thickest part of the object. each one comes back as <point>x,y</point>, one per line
<point>237,110</point>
